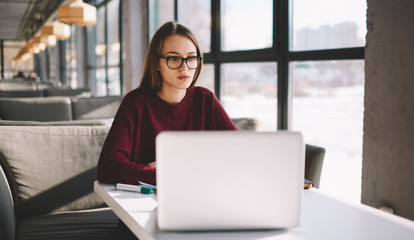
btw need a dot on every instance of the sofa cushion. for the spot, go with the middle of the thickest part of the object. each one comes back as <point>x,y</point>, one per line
<point>52,167</point>
<point>97,224</point>
<point>36,109</point>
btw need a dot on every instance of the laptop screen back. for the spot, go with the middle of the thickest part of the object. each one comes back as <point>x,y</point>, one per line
<point>222,180</point>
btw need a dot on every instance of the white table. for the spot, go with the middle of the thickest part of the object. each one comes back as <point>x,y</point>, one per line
<point>322,218</point>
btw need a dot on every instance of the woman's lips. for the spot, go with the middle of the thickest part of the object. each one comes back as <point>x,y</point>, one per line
<point>184,77</point>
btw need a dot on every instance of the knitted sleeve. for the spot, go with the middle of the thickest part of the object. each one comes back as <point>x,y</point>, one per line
<point>115,164</point>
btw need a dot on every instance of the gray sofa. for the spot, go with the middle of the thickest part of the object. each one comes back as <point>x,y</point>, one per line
<point>47,170</point>
<point>46,181</point>
<point>58,108</point>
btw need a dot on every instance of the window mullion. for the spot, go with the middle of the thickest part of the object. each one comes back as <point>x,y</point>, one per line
<point>215,45</point>
<point>281,9</point>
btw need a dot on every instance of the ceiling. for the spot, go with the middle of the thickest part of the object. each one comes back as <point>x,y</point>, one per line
<point>21,19</point>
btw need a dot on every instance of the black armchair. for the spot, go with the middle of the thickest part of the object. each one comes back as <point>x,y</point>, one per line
<point>314,156</point>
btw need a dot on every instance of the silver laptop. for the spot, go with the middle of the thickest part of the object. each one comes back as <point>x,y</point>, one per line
<point>228,180</point>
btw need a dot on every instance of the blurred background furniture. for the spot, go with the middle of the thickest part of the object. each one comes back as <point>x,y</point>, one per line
<point>58,108</point>
<point>245,124</point>
<point>44,91</point>
<point>56,91</point>
<point>21,93</point>
<point>36,109</point>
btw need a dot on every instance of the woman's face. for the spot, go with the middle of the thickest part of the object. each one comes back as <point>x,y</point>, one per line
<point>181,78</point>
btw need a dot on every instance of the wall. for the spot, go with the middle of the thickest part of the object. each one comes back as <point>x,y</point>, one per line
<point>388,149</point>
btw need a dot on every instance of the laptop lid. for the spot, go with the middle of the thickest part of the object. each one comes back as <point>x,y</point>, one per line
<point>229,180</point>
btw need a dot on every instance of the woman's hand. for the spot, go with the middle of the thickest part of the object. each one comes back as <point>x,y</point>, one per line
<point>152,164</point>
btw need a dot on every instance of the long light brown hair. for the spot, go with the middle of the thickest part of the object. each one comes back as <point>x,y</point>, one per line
<point>151,77</point>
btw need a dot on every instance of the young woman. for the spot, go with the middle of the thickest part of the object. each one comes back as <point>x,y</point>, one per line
<point>165,100</point>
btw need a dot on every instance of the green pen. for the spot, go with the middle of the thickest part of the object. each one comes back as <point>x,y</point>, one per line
<point>133,188</point>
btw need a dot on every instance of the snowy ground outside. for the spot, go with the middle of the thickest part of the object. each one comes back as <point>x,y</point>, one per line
<point>334,121</point>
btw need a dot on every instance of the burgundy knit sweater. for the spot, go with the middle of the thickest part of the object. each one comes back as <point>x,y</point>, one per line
<point>130,144</point>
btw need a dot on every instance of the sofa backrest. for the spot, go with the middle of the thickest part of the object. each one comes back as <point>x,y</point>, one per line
<point>36,109</point>
<point>59,91</point>
<point>22,93</point>
<point>52,168</point>
<point>95,107</point>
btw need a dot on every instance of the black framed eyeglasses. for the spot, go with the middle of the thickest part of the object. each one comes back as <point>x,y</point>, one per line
<point>176,62</point>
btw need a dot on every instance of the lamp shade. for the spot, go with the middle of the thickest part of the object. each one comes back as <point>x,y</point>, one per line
<point>77,12</point>
<point>32,46</point>
<point>37,40</point>
<point>60,30</point>
<point>49,40</point>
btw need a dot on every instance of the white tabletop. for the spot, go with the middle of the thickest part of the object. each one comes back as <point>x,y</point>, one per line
<point>322,218</point>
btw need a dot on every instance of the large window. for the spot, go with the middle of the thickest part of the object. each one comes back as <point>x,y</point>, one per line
<point>104,50</point>
<point>201,25</point>
<point>160,11</point>
<point>11,67</point>
<point>249,90</point>
<point>290,64</point>
<point>246,25</point>
<point>327,107</point>
<point>70,76</point>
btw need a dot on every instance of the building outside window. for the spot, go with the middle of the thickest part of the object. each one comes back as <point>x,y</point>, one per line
<point>290,64</point>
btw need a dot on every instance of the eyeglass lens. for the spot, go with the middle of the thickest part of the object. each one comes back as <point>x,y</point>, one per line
<point>175,63</point>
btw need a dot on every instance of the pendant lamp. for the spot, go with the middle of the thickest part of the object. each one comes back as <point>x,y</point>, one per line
<point>38,40</point>
<point>49,40</point>
<point>60,30</point>
<point>77,12</point>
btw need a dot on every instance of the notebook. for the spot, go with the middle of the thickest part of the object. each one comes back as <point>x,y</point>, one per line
<point>229,180</point>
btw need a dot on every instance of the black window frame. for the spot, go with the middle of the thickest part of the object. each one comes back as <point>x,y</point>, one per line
<point>279,53</point>
<point>99,4</point>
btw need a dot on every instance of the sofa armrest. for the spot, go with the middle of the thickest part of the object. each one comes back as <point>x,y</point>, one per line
<point>7,218</point>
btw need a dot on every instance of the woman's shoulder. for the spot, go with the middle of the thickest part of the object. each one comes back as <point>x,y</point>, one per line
<point>136,98</point>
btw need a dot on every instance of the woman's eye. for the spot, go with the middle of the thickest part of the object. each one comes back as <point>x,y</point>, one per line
<point>173,58</point>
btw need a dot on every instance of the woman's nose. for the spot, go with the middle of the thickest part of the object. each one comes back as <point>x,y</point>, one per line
<point>184,66</point>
